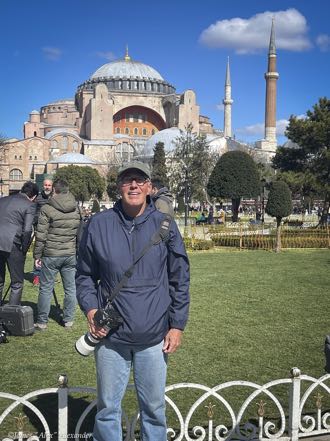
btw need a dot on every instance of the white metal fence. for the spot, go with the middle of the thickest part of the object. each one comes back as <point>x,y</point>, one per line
<point>286,409</point>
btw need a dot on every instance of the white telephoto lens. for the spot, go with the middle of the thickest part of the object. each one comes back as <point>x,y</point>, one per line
<point>85,345</point>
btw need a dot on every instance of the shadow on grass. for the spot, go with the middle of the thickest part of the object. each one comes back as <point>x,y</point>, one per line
<point>55,312</point>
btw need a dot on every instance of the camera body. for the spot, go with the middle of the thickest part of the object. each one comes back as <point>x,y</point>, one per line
<point>107,318</point>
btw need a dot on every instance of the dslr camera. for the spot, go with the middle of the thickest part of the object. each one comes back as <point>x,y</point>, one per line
<point>108,318</point>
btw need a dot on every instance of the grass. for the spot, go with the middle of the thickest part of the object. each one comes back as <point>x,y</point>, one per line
<point>254,315</point>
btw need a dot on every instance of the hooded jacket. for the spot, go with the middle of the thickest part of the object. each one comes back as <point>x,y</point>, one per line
<point>57,227</point>
<point>156,296</point>
<point>163,201</point>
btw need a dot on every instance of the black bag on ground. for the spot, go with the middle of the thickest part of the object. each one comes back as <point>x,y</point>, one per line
<point>17,320</point>
<point>327,353</point>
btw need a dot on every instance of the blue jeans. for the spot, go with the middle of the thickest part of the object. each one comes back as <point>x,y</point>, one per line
<point>66,265</point>
<point>113,365</point>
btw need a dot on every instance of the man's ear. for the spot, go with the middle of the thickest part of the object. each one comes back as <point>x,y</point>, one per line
<point>149,191</point>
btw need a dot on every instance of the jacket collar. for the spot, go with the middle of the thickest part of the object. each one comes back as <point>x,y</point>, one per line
<point>127,220</point>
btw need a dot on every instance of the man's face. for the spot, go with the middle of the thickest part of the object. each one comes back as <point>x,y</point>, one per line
<point>134,187</point>
<point>48,186</point>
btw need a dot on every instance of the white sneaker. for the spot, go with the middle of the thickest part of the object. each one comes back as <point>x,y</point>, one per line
<point>40,326</point>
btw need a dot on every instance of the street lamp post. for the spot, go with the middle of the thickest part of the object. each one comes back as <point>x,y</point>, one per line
<point>186,198</point>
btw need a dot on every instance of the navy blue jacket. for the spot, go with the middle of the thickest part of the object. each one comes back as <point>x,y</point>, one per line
<point>156,297</point>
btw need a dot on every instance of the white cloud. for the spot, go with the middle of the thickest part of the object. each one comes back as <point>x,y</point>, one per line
<point>107,55</point>
<point>252,34</point>
<point>52,53</point>
<point>258,129</point>
<point>255,129</point>
<point>220,107</point>
<point>281,126</point>
<point>323,42</point>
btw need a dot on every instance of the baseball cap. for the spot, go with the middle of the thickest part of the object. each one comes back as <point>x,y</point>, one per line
<point>135,165</point>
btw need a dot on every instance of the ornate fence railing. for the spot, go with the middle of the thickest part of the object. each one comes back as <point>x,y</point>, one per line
<point>286,409</point>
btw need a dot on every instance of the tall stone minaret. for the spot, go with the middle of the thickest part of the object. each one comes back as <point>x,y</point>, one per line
<point>271,77</point>
<point>227,102</point>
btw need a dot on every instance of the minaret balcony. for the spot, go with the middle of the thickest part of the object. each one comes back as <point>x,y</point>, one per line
<point>272,75</point>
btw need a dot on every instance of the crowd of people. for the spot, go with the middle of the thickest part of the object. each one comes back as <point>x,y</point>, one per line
<point>138,242</point>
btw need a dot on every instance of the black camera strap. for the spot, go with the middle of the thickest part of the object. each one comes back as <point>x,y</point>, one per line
<point>161,235</point>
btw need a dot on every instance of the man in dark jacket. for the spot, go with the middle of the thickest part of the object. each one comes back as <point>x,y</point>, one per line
<point>153,303</point>
<point>42,199</point>
<point>55,251</point>
<point>16,223</point>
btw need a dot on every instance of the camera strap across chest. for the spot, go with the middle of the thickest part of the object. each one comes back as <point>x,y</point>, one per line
<point>161,235</point>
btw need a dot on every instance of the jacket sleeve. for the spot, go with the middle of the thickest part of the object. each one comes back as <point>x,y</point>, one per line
<point>87,275</point>
<point>41,233</point>
<point>28,227</point>
<point>179,279</point>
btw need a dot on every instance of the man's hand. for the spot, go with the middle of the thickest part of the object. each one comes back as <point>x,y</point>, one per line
<point>95,330</point>
<point>172,341</point>
<point>37,263</point>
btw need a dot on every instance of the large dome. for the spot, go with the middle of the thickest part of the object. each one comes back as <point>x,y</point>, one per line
<point>126,68</point>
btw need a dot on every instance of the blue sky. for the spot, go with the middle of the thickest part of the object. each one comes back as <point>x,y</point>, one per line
<point>49,47</point>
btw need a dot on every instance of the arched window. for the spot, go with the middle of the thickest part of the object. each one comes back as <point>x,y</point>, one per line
<point>136,131</point>
<point>34,133</point>
<point>65,142</point>
<point>35,157</point>
<point>153,131</point>
<point>118,130</point>
<point>16,175</point>
<point>144,132</point>
<point>30,157</point>
<point>127,131</point>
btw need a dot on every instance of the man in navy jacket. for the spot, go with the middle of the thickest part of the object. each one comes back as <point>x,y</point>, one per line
<point>153,303</point>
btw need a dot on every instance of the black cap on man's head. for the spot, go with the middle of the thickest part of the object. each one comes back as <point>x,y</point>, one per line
<point>135,165</point>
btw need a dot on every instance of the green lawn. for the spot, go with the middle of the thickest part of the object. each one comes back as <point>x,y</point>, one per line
<point>254,315</point>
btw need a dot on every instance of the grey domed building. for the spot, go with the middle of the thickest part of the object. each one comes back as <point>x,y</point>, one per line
<point>120,112</point>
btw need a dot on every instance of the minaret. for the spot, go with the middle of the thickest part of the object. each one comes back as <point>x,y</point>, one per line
<point>271,77</point>
<point>227,102</point>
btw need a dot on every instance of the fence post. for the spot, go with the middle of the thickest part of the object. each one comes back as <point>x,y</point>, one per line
<point>62,407</point>
<point>294,405</point>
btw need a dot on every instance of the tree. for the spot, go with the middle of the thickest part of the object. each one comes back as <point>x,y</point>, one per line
<point>303,186</point>
<point>112,188</point>
<point>311,153</point>
<point>159,170</point>
<point>3,151</point>
<point>234,176</point>
<point>84,182</point>
<point>279,205</point>
<point>194,163</point>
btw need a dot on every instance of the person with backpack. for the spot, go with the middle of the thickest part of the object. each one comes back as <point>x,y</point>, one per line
<point>153,303</point>
<point>162,197</point>
<point>55,252</point>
